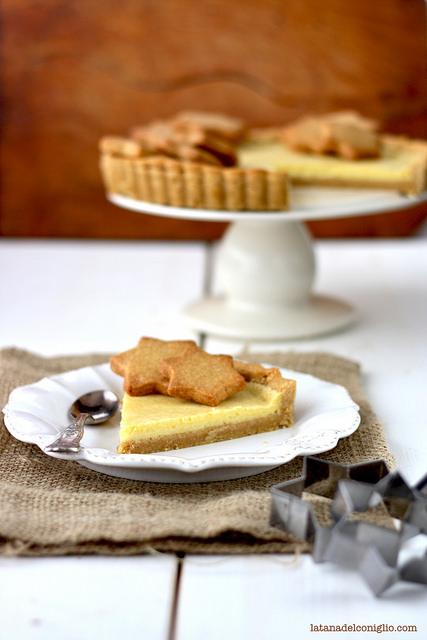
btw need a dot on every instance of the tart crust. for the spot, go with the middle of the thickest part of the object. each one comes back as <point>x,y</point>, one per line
<point>178,183</point>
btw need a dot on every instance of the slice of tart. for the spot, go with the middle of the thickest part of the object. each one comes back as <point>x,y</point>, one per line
<point>401,164</point>
<point>154,423</point>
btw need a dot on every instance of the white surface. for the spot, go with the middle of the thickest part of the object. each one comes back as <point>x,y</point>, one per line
<point>386,280</point>
<point>266,597</point>
<point>306,203</point>
<point>56,300</point>
<point>86,598</point>
<point>36,413</point>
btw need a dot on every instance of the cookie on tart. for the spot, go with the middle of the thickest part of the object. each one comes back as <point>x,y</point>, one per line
<point>190,160</point>
<point>341,149</point>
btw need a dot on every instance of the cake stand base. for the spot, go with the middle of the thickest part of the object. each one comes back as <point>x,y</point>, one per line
<point>265,265</point>
<point>265,273</point>
<point>318,315</point>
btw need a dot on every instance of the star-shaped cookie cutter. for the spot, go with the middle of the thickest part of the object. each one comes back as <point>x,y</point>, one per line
<point>340,537</point>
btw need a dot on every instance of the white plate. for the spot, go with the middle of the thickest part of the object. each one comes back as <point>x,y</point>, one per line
<point>324,413</point>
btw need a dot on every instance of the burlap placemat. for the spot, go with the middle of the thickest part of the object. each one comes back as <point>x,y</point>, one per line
<point>54,507</point>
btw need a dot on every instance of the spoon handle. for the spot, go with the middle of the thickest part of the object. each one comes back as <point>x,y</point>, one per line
<point>68,440</point>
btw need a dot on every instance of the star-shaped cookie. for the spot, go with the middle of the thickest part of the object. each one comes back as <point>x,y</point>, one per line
<point>202,377</point>
<point>140,366</point>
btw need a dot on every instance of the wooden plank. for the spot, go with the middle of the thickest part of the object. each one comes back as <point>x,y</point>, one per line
<point>86,597</point>
<point>72,73</point>
<point>72,297</point>
<point>264,597</point>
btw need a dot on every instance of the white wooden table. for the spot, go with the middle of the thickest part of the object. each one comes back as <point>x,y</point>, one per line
<point>70,297</point>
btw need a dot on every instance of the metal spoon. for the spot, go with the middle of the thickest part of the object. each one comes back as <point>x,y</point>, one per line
<point>91,408</point>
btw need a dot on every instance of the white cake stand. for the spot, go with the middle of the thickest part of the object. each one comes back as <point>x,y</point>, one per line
<point>266,264</point>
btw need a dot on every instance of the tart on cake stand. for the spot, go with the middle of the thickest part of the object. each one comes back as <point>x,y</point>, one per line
<point>266,264</point>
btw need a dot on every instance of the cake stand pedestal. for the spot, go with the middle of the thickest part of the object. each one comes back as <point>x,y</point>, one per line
<point>266,264</point>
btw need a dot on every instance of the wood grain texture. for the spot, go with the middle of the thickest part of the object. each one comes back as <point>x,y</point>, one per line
<point>73,71</point>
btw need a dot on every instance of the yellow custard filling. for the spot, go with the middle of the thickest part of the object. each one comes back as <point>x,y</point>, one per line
<point>159,415</point>
<point>395,163</point>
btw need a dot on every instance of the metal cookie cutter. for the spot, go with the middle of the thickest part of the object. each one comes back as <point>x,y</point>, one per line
<point>371,549</point>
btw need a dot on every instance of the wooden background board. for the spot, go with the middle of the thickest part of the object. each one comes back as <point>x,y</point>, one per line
<point>73,71</point>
